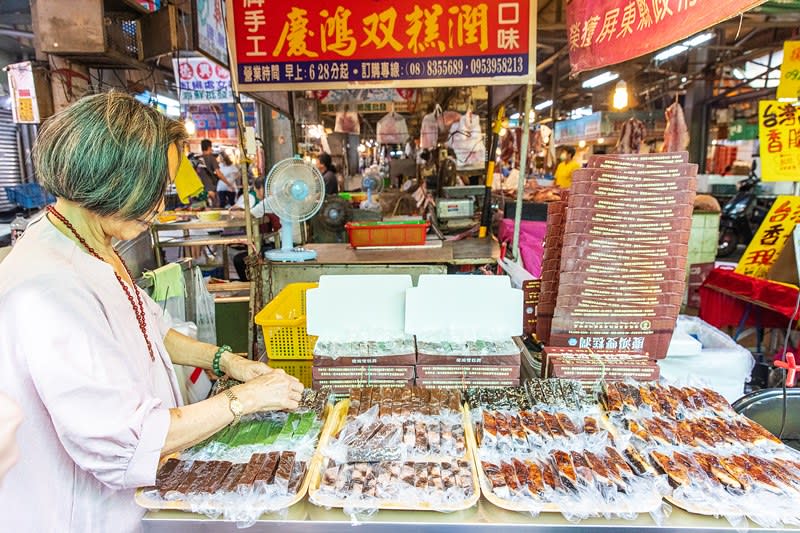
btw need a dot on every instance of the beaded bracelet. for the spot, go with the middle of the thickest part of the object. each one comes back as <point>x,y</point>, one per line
<point>217,357</point>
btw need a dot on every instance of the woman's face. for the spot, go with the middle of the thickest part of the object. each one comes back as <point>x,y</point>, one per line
<point>10,419</point>
<point>126,230</point>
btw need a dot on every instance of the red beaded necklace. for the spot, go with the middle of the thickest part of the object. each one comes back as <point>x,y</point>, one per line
<point>138,310</point>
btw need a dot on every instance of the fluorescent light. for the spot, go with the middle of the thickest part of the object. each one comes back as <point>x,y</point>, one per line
<point>601,140</point>
<point>543,105</point>
<point>670,52</point>
<point>673,51</point>
<point>599,80</point>
<point>699,39</point>
<point>581,144</point>
<point>515,116</point>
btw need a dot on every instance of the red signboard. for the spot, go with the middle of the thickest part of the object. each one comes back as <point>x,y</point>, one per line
<point>606,32</point>
<point>289,44</point>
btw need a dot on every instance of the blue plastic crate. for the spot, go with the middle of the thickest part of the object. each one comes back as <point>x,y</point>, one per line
<point>29,196</point>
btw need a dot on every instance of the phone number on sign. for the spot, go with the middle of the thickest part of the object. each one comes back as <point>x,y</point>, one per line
<point>496,65</point>
<point>485,66</point>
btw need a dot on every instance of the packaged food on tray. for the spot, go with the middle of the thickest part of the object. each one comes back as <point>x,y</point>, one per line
<point>716,461</point>
<point>561,463</point>
<point>244,470</point>
<point>404,450</point>
<point>396,484</point>
<point>404,401</point>
<point>468,348</point>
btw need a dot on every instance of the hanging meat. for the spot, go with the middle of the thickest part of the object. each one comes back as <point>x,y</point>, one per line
<point>631,136</point>
<point>676,134</point>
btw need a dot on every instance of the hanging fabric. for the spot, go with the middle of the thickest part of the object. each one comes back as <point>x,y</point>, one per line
<point>631,136</point>
<point>676,134</point>
<point>391,129</point>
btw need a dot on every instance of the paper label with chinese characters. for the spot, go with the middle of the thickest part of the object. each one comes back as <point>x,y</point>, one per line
<point>789,86</point>
<point>607,32</point>
<point>282,44</point>
<point>201,81</point>
<point>779,139</point>
<point>771,237</point>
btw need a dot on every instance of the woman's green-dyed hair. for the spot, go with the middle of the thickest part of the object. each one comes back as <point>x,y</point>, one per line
<point>108,153</point>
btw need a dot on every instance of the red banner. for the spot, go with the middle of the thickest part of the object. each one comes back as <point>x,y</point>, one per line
<point>321,44</point>
<point>606,32</point>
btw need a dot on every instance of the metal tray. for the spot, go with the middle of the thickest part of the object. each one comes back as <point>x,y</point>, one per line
<point>766,407</point>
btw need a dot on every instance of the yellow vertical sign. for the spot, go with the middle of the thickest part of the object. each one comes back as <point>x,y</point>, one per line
<point>771,237</point>
<point>789,86</point>
<point>779,139</point>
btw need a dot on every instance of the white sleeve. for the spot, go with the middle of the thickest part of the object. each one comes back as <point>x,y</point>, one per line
<point>91,384</point>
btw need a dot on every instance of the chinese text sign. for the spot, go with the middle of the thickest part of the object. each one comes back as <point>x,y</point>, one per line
<point>202,81</point>
<point>771,237</point>
<point>779,140</point>
<point>210,30</point>
<point>318,44</point>
<point>789,86</point>
<point>607,32</point>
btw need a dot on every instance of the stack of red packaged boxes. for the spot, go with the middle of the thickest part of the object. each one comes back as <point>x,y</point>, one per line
<point>623,263</point>
<point>551,265</point>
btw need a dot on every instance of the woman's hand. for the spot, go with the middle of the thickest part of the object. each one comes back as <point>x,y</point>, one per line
<point>270,392</point>
<point>243,369</point>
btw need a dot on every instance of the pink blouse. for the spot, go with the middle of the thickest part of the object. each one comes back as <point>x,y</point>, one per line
<point>96,408</point>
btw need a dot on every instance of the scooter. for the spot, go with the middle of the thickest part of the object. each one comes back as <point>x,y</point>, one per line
<point>741,216</point>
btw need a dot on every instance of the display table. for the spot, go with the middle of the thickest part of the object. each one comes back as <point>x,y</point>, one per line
<point>335,259</point>
<point>305,517</point>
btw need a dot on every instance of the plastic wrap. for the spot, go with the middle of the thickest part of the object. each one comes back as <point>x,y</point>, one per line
<point>556,459</point>
<point>402,452</point>
<point>259,465</point>
<point>335,349</point>
<point>716,461</point>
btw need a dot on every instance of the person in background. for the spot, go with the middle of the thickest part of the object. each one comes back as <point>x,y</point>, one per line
<point>226,195</point>
<point>93,371</point>
<point>566,166</point>
<point>209,172</point>
<point>10,419</point>
<point>328,170</point>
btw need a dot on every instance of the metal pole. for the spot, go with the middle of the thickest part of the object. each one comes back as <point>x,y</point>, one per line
<point>523,167</point>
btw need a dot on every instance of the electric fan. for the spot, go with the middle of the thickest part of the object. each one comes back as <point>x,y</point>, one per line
<point>372,182</point>
<point>295,191</point>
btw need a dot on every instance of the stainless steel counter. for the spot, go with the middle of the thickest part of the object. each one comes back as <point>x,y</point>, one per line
<point>305,517</point>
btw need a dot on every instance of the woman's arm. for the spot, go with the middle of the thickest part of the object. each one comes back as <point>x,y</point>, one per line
<point>187,351</point>
<point>194,423</point>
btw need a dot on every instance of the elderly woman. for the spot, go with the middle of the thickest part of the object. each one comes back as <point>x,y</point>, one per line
<point>83,351</point>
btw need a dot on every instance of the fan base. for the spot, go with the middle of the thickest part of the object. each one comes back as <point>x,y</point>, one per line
<point>296,255</point>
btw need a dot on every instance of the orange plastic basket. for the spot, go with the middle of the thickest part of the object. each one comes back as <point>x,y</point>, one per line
<point>394,233</point>
<point>284,323</point>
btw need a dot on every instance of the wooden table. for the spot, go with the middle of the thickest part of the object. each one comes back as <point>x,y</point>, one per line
<point>342,259</point>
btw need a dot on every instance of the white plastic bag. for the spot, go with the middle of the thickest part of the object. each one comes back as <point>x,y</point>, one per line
<point>466,140</point>
<point>392,129</point>
<point>432,125</point>
<point>204,310</point>
<point>347,122</point>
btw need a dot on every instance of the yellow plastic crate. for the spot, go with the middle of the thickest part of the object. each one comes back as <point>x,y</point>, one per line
<point>284,323</point>
<point>299,369</point>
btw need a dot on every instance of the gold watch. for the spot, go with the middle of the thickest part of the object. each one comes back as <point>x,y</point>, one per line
<point>235,406</point>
